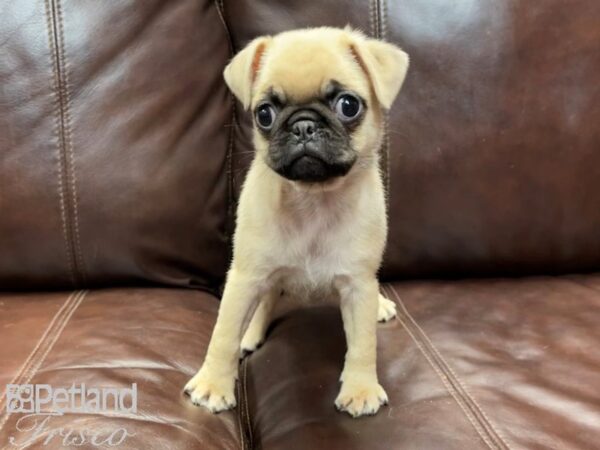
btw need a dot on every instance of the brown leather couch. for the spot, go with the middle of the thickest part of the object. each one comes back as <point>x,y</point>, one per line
<point>121,158</point>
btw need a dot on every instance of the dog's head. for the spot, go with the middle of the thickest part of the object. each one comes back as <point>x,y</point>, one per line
<point>317,96</point>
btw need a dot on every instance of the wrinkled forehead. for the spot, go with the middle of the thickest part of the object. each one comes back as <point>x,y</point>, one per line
<point>303,68</point>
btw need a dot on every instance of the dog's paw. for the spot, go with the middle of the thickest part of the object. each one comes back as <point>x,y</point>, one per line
<point>252,340</point>
<point>215,393</point>
<point>386,310</point>
<point>361,398</point>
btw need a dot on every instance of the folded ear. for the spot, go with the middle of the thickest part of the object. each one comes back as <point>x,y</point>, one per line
<point>241,71</point>
<point>385,65</point>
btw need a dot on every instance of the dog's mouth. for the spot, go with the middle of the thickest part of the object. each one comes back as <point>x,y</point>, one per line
<point>311,167</point>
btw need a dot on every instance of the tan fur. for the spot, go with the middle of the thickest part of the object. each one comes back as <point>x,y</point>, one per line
<point>310,240</point>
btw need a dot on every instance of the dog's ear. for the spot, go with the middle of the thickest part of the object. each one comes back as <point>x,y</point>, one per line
<point>241,71</point>
<point>385,65</point>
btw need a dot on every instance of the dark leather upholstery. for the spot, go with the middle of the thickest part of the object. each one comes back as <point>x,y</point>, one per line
<point>121,157</point>
<point>153,337</point>
<point>494,363</point>
<point>467,365</point>
<point>494,141</point>
<point>112,171</point>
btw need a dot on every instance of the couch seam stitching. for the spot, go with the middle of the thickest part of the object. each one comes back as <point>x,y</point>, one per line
<point>42,338</point>
<point>371,19</point>
<point>383,12</point>
<point>50,337</point>
<point>58,136</point>
<point>246,437</point>
<point>453,373</point>
<point>446,384</point>
<point>240,407</point>
<point>248,419</point>
<point>238,390</point>
<point>386,124</point>
<point>377,17</point>
<point>220,6</point>
<point>449,377</point>
<point>243,415</point>
<point>56,334</point>
<point>68,133</point>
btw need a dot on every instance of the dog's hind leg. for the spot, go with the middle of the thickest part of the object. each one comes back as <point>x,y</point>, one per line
<point>386,309</point>
<point>257,328</point>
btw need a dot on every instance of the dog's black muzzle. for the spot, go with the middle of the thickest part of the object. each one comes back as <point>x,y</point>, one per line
<point>309,155</point>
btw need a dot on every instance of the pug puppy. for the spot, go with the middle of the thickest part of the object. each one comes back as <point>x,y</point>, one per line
<point>311,220</point>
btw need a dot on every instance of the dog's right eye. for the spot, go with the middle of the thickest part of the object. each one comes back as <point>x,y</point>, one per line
<point>347,107</point>
<point>265,116</point>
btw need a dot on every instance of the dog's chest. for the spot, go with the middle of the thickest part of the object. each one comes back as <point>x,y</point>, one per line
<point>313,251</point>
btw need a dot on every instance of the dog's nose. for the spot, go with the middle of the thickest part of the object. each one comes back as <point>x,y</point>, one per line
<point>304,129</point>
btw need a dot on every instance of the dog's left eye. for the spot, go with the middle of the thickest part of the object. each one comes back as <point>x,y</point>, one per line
<point>347,107</point>
<point>265,116</point>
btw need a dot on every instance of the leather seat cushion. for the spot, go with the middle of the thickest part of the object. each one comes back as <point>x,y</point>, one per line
<point>113,338</point>
<point>467,365</point>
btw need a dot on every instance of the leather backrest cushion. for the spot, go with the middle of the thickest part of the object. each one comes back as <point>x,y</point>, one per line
<point>116,163</point>
<point>493,143</point>
<point>495,140</point>
<point>114,138</point>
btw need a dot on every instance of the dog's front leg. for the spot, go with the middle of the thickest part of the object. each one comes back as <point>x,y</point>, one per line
<point>254,335</point>
<point>361,393</point>
<point>214,384</point>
